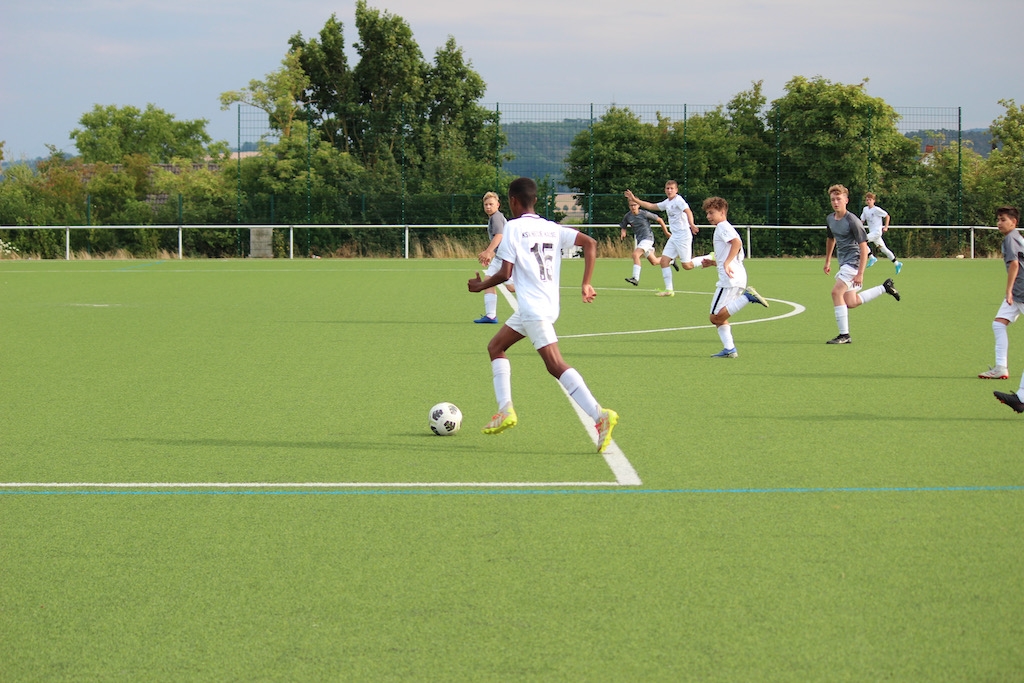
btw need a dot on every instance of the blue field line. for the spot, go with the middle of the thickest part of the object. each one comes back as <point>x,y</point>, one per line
<point>516,491</point>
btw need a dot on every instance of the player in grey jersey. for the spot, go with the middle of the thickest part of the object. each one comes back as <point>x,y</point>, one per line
<point>643,237</point>
<point>847,238</point>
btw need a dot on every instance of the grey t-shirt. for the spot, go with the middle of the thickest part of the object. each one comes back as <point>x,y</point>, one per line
<point>1013,250</point>
<point>849,234</point>
<point>495,224</point>
<point>640,223</point>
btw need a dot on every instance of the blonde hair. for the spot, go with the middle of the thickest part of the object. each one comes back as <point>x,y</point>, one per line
<point>492,195</point>
<point>838,189</point>
<point>715,204</point>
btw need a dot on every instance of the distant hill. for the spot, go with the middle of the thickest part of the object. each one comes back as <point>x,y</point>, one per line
<point>540,148</point>
<point>978,139</point>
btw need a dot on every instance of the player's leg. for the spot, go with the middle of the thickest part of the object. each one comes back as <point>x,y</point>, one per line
<point>1006,315</point>
<point>687,259</point>
<point>501,374</point>
<point>638,252</point>
<point>573,382</point>
<point>722,307</point>
<point>1015,401</point>
<point>839,305</point>
<point>490,296</point>
<point>668,256</point>
<point>855,299</point>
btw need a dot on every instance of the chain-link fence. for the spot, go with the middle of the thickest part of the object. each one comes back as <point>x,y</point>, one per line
<point>583,156</point>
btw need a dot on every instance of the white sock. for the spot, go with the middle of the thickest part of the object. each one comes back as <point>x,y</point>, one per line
<point>1002,343</point>
<point>843,319</point>
<point>699,261</point>
<point>577,389</point>
<point>1020,392</point>
<point>888,254</point>
<point>736,305</point>
<point>501,369</point>
<point>871,294</point>
<point>491,305</point>
<point>666,275</point>
<point>725,334</point>
<point>636,272</point>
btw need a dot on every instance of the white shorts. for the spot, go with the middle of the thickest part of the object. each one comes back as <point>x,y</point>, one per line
<point>1011,313</point>
<point>875,237</point>
<point>723,295</point>
<point>494,267</point>
<point>647,246</point>
<point>679,246</point>
<point>846,275</point>
<point>541,333</point>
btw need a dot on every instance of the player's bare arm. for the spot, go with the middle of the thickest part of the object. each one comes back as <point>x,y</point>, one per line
<point>475,284</point>
<point>830,245</point>
<point>1011,275</point>
<point>650,206</point>
<point>693,224</point>
<point>589,246</point>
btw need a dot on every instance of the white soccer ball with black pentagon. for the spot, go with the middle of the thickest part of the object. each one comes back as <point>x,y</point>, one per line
<point>445,419</point>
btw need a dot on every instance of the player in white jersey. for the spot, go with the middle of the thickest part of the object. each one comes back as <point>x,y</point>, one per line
<point>732,293</point>
<point>682,227</point>
<point>532,250</point>
<point>877,221</point>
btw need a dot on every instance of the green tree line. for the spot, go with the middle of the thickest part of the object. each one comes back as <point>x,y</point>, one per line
<point>396,138</point>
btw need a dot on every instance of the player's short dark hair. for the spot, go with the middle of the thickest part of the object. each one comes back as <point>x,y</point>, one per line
<point>524,190</point>
<point>1010,211</point>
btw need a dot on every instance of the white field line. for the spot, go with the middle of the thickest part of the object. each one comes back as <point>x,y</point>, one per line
<point>625,474</point>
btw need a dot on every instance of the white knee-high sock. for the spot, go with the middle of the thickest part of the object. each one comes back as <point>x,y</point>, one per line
<point>1002,343</point>
<point>736,305</point>
<point>501,369</point>
<point>843,319</point>
<point>871,294</point>
<point>725,334</point>
<point>491,305</point>
<point>666,275</point>
<point>1020,391</point>
<point>699,261</point>
<point>636,272</point>
<point>577,389</point>
<point>885,250</point>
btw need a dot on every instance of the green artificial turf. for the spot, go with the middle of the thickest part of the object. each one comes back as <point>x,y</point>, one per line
<point>806,512</point>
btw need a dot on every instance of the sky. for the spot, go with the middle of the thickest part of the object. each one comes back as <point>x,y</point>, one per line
<point>58,59</point>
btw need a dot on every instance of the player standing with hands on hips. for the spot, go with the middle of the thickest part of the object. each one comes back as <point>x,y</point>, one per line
<point>532,250</point>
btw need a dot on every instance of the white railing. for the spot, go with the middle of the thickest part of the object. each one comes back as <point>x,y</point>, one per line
<point>291,230</point>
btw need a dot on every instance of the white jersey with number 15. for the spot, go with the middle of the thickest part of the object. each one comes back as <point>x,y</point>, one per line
<point>533,245</point>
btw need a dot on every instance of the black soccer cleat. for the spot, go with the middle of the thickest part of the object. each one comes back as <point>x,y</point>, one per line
<point>675,265</point>
<point>840,339</point>
<point>633,281</point>
<point>1011,400</point>
<point>890,289</point>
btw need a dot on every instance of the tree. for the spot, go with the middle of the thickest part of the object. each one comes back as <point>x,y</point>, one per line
<point>833,133</point>
<point>279,95</point>
<point>330,92</point>
<point>111,133</point>
<point>618,152</point>
<point>1007,161</point>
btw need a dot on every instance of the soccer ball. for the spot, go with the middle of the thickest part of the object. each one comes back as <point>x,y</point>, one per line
<point>445,419</point>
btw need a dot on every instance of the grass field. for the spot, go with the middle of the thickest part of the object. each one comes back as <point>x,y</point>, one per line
<point>221,470</point>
